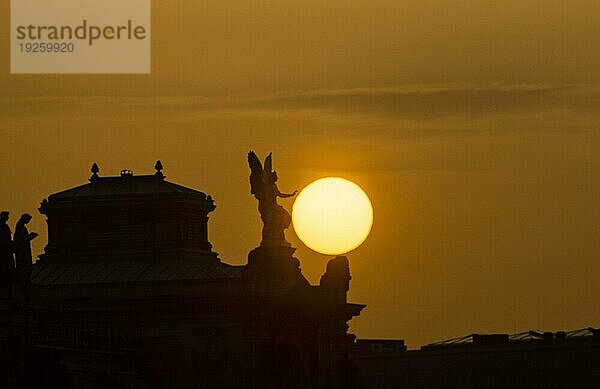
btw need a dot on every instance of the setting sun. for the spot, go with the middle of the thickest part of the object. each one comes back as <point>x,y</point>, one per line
<point>332,216</point>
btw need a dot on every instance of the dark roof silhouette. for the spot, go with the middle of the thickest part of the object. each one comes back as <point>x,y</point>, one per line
<point>130,271</point>
<point>531,359</point>
<point>126,184</point>
<point>128,228</point>
<point>527,336</point>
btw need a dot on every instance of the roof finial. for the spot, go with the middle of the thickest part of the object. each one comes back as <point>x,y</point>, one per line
<point>126,173</point>
<point>95,169</point>
<point>158,166</point>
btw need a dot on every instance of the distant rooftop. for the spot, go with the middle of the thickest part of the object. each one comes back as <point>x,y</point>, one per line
<point>527,336</point>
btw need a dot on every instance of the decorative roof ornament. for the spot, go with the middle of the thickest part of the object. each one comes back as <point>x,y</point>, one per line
<point>158,166</point>
<point>95,170</point>
<point>126,173</point>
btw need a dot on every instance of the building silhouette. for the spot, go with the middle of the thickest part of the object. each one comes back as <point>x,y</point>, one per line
<point>529,359</point>
<point>129,294</point>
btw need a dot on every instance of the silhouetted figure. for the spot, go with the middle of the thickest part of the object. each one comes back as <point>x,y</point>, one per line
<point>22,248</point>
<point>7,262</point>
<point>263,186</point>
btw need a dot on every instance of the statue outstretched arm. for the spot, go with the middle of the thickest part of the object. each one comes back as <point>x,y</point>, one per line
<point>286,195</point>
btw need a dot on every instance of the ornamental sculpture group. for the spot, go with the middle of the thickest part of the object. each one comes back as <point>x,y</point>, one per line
<point>263,186</point>
<point>15,251</point>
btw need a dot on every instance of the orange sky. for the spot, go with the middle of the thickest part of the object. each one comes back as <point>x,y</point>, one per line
<point>473,126</point>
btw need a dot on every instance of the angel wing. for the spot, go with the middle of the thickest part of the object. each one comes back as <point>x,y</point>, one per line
<point>268,167</point>
<point>256,173</point>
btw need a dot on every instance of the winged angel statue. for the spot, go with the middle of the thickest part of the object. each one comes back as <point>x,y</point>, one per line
<point>263,186</point>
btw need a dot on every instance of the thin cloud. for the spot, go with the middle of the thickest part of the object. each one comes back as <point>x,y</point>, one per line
<point>415,103</point>
<point>427,102</point>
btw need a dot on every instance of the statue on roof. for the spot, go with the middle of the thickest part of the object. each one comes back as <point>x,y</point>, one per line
<point>7,262</point>
<point>263,185</point>
<point>22,246</point>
